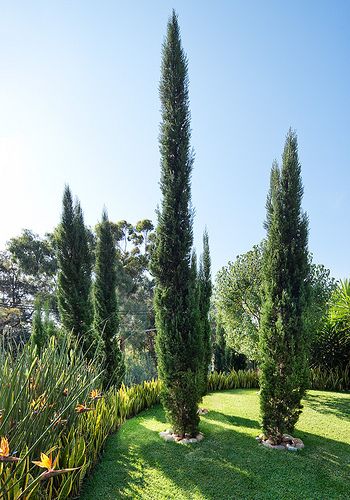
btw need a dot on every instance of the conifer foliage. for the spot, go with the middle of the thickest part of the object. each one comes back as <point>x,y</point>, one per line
<point>205,290</point>
<point>283,338</point>
<point>177,339</point>
<point>74,272</point>
<point>106,321</point>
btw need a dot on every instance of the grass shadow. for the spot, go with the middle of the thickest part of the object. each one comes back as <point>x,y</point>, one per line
<point>227,464</point>
<point>330,403</point>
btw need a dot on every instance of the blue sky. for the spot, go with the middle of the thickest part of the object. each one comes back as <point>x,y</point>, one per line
<point>79,104</point>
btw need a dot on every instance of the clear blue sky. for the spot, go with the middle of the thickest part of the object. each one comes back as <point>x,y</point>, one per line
<point>79,104</point>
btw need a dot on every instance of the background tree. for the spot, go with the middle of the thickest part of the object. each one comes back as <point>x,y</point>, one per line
<point>74,273</point>
<point>283,336</point>
<point>177,333</point>
<point>238,301</point>
<point>205,290</point>
<point>43,327</point>
<point>331,347</point>
<point>38,332</point>
<point>106,320</point>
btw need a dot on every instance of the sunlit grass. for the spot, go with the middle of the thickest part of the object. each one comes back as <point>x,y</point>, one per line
<point>229,464</point>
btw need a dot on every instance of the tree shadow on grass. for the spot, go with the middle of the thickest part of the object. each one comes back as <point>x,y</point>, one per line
<point>232,420</point>
<point>227,464</point>
<point>330,404</point>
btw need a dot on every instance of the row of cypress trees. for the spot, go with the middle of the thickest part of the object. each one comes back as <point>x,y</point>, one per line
<point>182,296</point>
<point>182,293</point>
<point>89,310</point>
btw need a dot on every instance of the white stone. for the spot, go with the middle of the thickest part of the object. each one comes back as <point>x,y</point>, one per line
<point>291,448</point>
<point>193,440</point>
<point>169,437</point>
<point>184,441</point>
<point>199,437</point>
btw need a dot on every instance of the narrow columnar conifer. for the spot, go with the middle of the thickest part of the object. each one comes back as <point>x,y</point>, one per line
<point>177,338</point>
<point>74,273</point>
<point>38,336</point>
<point>283,339</point>
<point>205,290</point>
<point>106,320</point>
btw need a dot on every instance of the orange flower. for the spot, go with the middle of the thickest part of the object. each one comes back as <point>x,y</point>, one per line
<point>65,391</point>
<point>95,394</point>
<point>4,447</point>
<point>82,408</point>
<point>45,462</point>
<point>5,451</point>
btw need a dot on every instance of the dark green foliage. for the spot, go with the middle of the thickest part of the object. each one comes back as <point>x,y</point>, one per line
<point>238,300</point>
<point>285,293</point>
<point>331,347</point>
<point>177,339</point>
<point>204,292</point>
<point>226,359</point>
<point>38,336</point>
<point>106,320</point>
<point>43,327</point>
<point>74,273</point>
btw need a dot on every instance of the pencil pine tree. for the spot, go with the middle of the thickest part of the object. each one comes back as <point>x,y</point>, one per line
<point>177,330</point>
<point>205,290</point>
<point>283,338</point>
<point>106,320</point>
<point>74,273</point>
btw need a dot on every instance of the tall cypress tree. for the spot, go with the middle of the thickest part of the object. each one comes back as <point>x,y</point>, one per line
<point>38,336</point>
<point>106,321</point>
<point>74,273</point>
<point>205,290</point>
<point>177,333</point>
<point>283,335</point>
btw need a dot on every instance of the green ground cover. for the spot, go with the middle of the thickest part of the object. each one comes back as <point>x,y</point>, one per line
<point>229,464</point>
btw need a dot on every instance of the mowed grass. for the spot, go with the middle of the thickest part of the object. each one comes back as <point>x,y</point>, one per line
<point>228,463</point>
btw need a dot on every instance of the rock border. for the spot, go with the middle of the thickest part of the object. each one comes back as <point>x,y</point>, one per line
<point>289,443</point>
<point>168,435</point>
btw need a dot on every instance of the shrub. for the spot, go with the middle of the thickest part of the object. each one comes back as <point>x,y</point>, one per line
<point>47,406</point>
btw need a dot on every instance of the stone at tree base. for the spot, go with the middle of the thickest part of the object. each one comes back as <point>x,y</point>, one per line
<point>168,437</point>
<point>298,443</point>
<point>288,443</point>
<point>202,411</point>
<point>187,439</point>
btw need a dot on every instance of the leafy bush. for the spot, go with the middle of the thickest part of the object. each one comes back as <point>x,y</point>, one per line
<point>331,347</point>
<point>47,405</point>
<point>241,379</point>
<point>335,379</point>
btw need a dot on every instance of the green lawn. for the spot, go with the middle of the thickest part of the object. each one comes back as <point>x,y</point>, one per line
<point>228,463</point>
